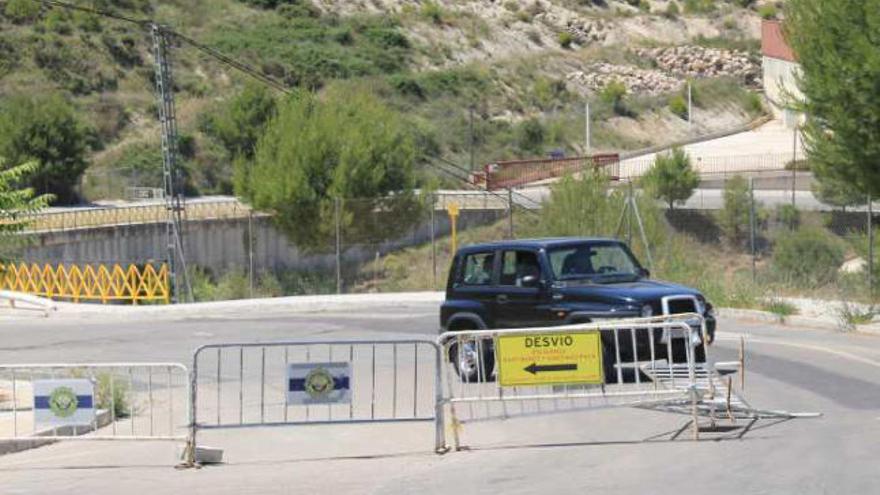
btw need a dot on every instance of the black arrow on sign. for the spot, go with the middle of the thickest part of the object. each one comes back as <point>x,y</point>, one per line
<point>536,368</point>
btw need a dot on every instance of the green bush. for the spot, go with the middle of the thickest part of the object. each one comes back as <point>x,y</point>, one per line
<point>113,392</point>
<point>672,178</point>
<point>47,129</point>
<point>678,105</point>
<point>565,39</point>
<point>768,11</point>
<point>309,51</point>
<point>530,136</point>
<point>239,124</point>
<point>734,218</point>
<point>809,256</point>
<point>22,10</point>
<point>788,215</point>
<point>614,94</point>
<point>672,11</point>
<point>432,11</point>
<point>699,6</point>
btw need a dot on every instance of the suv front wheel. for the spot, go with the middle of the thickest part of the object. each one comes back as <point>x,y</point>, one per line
<point>474,361</point>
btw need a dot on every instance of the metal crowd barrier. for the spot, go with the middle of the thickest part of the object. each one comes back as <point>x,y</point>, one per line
<point>627,366</point>
<point>94,401</point>
<point>315,382</point>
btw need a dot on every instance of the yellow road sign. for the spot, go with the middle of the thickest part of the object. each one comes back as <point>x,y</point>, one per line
<point>545,359</point>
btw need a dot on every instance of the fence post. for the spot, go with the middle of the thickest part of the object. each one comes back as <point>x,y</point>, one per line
<point>251,252</point>
<point>752,226</point>
<point>510,212</point>
<point>870,249</point>
<point>338,246</point>
<point>433,205</point>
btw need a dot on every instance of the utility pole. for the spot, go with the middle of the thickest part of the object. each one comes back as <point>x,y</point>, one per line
<point>471,125</point>
<point>690,105</point>
<point>794,166</point>
<point>588,149</point>
<point>172,178</point>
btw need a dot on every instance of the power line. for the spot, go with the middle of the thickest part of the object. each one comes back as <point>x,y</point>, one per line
<point>92,10</point>
<point>146,23</point>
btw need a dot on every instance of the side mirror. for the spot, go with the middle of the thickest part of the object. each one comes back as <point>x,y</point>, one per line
<point>530,281</point>
<point>644,273</point>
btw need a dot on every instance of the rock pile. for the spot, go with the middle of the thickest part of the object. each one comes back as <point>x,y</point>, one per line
<point>698,61</point>
<point>640,81</point>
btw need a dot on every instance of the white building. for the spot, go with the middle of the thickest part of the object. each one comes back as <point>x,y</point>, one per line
<point>780,69</point>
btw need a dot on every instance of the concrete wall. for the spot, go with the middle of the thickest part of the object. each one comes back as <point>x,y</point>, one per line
<point>222,244</point>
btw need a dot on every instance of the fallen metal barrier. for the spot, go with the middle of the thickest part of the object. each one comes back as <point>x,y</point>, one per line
<point>27,302</point>
<point>94,401</point>
<point>243,385</point>
<point>587,366</point>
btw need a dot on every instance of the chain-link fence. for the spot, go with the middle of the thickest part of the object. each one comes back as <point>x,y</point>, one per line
<point>746,240</point>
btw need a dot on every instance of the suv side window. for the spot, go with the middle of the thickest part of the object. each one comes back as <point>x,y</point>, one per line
<point>518,264</point>
<point>477,268</point>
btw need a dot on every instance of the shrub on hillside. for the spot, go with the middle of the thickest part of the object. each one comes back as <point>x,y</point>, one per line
<point>678,105</point>
<point>733,218</point>
<point>531,135</point>
<point>47,129</point>
<point>22,10</point>
<point>565,39</point>
<point>788,215</point>
<point>614,94</point>
<point>672,11</point>
<point>808,256</point>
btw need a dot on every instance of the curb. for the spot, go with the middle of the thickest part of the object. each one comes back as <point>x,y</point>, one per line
<point>794,321</point>
<point>102,419</point>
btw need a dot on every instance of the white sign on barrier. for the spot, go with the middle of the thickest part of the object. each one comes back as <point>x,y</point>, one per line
<point>319,383</point>
<point>64,402</point>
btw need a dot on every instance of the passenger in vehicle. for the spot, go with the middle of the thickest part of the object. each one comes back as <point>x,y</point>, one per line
<point>482,273</point>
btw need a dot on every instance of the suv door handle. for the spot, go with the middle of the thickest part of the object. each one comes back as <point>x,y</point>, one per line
<point>501,298</point>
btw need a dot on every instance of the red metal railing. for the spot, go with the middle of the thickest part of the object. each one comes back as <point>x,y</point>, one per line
<point>502,175</point>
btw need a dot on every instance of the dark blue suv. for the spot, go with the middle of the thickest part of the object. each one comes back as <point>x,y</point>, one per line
<point>549,282</point>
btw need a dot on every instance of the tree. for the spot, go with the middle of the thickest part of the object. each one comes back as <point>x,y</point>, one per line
<point>672,178</point>
<point>241,123</point>
<point>16,201</point>
<point>734,216</point>
<point>836,45</point>
<point>837,193</point>
<point>45,129</point>
<point>344,144</point>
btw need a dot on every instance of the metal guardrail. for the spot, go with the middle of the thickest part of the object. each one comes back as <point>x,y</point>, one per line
<point>86,218</point>
<point>126,401</point>
<point>132,284</point>
<point>241,385</point>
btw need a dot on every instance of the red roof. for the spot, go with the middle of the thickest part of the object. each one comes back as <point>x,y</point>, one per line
<point>773,42</point>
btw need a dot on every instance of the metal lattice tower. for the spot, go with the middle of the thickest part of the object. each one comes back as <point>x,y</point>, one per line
<point>173,179</point>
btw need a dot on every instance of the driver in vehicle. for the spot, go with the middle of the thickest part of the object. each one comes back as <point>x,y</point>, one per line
<point>579,262</point>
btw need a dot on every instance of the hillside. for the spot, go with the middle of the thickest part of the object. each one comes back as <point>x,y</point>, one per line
<point>524,68</point>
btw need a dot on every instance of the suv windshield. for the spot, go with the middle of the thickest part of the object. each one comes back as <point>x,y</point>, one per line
<point>602,263</point>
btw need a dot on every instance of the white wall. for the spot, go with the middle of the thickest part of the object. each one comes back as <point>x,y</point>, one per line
<point>779,83</point>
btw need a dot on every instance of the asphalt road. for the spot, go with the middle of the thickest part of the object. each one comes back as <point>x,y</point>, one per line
<point>610,451</point>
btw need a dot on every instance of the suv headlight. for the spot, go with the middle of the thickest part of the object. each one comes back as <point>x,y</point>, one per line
<point>647,311</point>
